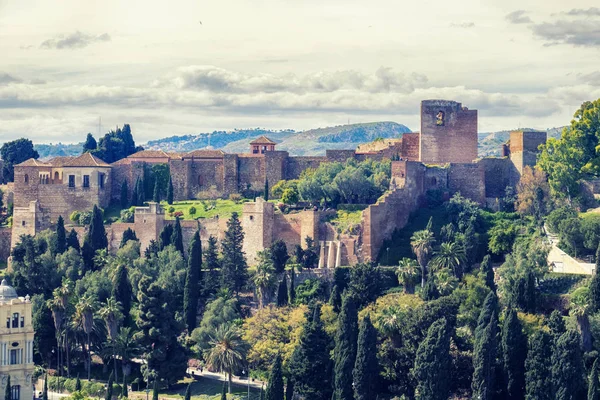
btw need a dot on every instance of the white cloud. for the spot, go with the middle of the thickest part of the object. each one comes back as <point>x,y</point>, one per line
<point>75,40</point>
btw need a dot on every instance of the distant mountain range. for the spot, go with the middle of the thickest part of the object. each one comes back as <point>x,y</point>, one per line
<point>307,143</point>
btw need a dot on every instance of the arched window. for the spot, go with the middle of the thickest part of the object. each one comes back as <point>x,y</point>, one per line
<point>15,320</point>
<point>56,177</point>
<point>26,179</point>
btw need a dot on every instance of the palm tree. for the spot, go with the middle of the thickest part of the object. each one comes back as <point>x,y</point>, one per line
<point>264,278</point>
<point>445,281</point>
<point>125,346</point>
<point>227,350</point>
<point>408,273</point>
<point>84,310</point>
<point>64,293</point>
<point>112,316</point>
<point>421,243</point>
<point>450,255</point>
<point>55,305</point>
<point>580,308</point>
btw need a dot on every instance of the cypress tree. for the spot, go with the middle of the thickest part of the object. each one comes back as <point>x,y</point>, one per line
<point>595,286</point>
<point>124,195</point>
<point>170,191</point>
<point>97,233</point>
<point>514,348</point>
<point>289,389</point>
<point>530,294</point>
<point>556,324</point>
<point>134,195</point>
<point>122,290</point>
<point>211,279</point>
<point>484,360</point>
<point>593,390</point>
<point>8,390</point>
<point>78,384</point>
<point>156,192</point>
<point>192,282</point>
<point>335,299</point>
<point>275,386</point>
<point>128,234</point>
<point>45,390</point>
<point>234,270</point>
<point>155,389</point>
<point>366,369</point>
<point>224,392</point>
<point>310,364</point>
<point>433,362</point>
<point>124,390</point>
<point>489,307</point>
<point>279,255</point>
<point>141,192</point>
<point>568,372</point>
<point>87,255</point>
<point>488,272</point>
<point>109,387</point>
<point>177,236</point>
<point>344,354</point>
<point>266,196</point>
<point>538,380</point>
<point>292,289</point>
<point>164,239</point>
<point>282,293</point>
<point>73,241</point>
<point>60,242</point>
<point>188,392</point>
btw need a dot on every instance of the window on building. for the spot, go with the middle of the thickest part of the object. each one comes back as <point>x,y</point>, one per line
<point>16,392</point>
<point>15,356</point>
<point>15,320</point>
<point>71,181</point>
<point>26,179</point>
<point>86,181</point>
<point>22,322</point>
<point>22,223</point>
<point>101,180</point>
<point>8,322</point>
<point>264,148</point>
<point>255,150</point>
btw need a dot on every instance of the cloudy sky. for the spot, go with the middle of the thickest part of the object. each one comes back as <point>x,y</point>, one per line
<point>179,67</point>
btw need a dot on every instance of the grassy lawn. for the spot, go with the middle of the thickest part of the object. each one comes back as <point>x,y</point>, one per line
<point>207,389</point>
<point>204,208</point>
<point>345,221</point>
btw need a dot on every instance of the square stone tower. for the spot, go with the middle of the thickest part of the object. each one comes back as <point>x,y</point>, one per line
<point>448,132</point>
<point>523,148</point>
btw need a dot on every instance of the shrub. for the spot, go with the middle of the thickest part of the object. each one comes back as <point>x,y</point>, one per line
<point>290,196</point>
<point>192,210</point>
<point>236,197</point>
<point>311,289</point>
<point>127,216</point>
<point>74,217</point>
<point>85,218</point>
<point>171,210</point>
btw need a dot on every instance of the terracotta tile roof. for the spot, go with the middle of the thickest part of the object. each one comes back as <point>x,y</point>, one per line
<point>150,154</point>
<point>59,161</point>
<point>85,160</point>
<point>204,154</point>
<point>262,140</point>
<point>32,162</point>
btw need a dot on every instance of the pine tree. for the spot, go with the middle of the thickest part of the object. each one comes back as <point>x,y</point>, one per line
<point>514,348</point>
<point>538,381</point>
<point>289,389</point>
<point>156,192</point>
<point>488,272</point>
<point>73,241</point>
<point>128,234</point>
<point>45,390</point>
<point>433,363</point>
<point>90,143</point>
<point>124,390</point>
<point>109,387</point>
<point>282,293</point>
<point>135,195</point>
<point>335,299</point>
<point>78,384</point>
<point>484,359</point>
<point>568,372</point>
<point>344,353</point>
<point>188,392</point>
<point>266,192</point>
<point>595,286</point>
<point>593,390</point>
<point>234,270</point>
<point>275,386</point>
<point>122,291</point>
<point>177,236</point>
<point>124,201</point>
<point>366,368</point>
<point>192,282</point>
<point>60,241</point>
<point>310,364</point>
<point>8,391</point>
<point>292,289</point>
<point>170,191</point>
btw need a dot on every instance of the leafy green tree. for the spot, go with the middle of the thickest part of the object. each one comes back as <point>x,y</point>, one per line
<point>430,290</point>
<point>211,279</point>
<point>72,240</point>
<point>310,365</point>
<point>538,378</point>
<point>164,238</point>
<point>45,335</point>
<point>366,368</point>
<point>177,236</point>
<point>408,274</point>
<point>13,153</point>
<point>116,145</point>
<point>279,255</point>
<point>595,286</point>
<point>432,363</point>
<point>60,240</point>
<point>282,293</point>
<point>124,199</point>
<point>122,290</point>
<point>128,234</point>
<point>489,307</point>
<point>568,372</point>
<point>95,239</point>
<point>335,299</point>
<point>364,283</point>
<point>502,236</point>
<point>450,255</point>
<point>344,353</point>
<point>170,191</point>
<point>484,361</point>
<point>234,270</point>
<point>227,350</point>
<point>580,309</point>
<point>275,386</point>
<point>514,349</point>
<point>421,243</point>
<point>593,390</point>
<point>266,192</point>
<point>8,390</point>
<point>192,282</point>
<point>556,324</point>
<point>218,312</point>
<point>90,143</point>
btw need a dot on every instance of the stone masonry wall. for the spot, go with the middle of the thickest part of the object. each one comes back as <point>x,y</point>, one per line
<point>469,180</point>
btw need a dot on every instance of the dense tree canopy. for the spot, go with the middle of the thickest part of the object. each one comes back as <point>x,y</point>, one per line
<point>15,152</point>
